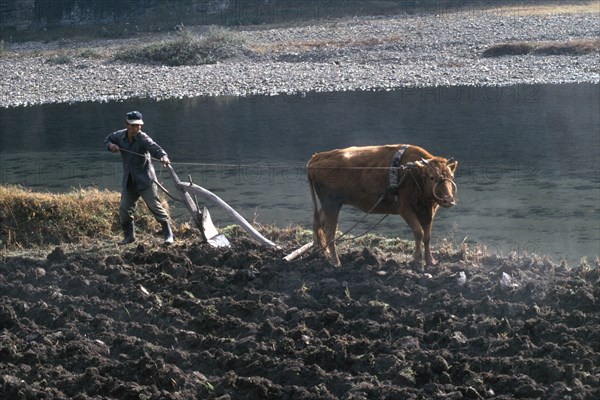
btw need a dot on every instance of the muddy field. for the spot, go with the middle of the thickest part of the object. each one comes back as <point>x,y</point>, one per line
<point>192,322</point>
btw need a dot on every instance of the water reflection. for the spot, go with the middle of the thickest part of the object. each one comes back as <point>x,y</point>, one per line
<point>528,177</point>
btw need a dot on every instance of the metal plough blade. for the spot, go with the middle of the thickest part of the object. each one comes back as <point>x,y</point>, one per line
<point>213,237</point>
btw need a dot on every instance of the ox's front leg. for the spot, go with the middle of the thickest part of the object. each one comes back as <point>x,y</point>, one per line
<point>427,223</point>
<point>415,225</point>
<point>429,260</point>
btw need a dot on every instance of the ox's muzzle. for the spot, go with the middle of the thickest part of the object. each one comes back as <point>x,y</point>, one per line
<point>448,197</point>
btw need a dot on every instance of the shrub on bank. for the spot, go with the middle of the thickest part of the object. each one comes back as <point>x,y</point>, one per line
<point>217,44</point>
<point>30,219</point>
<point>58,59</point>
<point>572,47</point>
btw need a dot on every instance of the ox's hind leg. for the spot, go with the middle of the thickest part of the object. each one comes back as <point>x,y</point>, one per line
<point>324,228</point>
<point>331,221</point>
<point>320,238</point>
<point>324,222</point>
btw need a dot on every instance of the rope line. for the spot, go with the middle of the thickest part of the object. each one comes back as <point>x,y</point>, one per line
<point>367,231</point>
<point>318,247</point>
<point>341,237</point>
<point>226,165</point>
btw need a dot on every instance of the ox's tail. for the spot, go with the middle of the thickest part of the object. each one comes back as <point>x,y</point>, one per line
<point>313,196</point>
<point>318,234</point>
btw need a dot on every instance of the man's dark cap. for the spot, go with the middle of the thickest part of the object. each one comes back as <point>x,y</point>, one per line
<point>135,118</point>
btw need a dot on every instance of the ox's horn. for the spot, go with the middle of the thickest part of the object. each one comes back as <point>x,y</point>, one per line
<point>422,163</point>
<point>452,164</point>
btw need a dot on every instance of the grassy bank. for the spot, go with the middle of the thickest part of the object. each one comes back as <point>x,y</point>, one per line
<point>32,220</point>
<point>85,221</point>
<point>37,221</point>
<point>29,219</point>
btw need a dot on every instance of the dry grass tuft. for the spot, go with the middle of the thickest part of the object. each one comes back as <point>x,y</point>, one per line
<point>571,47</point>
<point>531,9</point>
<point>218,44</point>
<point>304,46</point>
<point>29,219</point>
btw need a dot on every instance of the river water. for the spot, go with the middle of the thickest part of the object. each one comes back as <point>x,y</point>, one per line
<point>528,173</point>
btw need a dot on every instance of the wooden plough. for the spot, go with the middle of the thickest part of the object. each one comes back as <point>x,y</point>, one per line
<point>202,218</point>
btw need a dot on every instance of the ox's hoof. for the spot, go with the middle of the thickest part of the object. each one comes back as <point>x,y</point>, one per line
<point>332,259</point>
<point>335,263</point>
<point>417,265</point>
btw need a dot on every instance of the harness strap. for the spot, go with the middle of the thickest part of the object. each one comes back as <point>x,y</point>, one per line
<point>395,168</point>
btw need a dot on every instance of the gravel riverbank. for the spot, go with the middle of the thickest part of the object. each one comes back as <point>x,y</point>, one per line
<point>368,53</point>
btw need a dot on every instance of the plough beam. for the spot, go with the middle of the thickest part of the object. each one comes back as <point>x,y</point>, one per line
<point>202,219</point>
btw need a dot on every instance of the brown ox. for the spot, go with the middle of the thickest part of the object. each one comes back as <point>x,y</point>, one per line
<point>360,177</point>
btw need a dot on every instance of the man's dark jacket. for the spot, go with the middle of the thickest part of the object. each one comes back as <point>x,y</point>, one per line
<point>137,165</point>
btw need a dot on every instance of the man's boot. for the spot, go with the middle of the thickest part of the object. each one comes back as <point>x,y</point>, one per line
<point>167,233</point>
<point>129,231</point>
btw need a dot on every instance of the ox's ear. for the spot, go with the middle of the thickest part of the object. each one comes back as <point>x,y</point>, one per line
<point>452,164</point>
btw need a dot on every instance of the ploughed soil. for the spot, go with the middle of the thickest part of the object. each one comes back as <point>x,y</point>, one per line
<point>194,322</point>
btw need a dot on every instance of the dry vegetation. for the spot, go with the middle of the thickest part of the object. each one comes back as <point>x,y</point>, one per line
<point>217,44</point>
<point>529,8</point>
<point>87,220</point>
<point>324,44</point>
<point>30,219</point>
<point>189,47</point>
<point>571,47</point>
